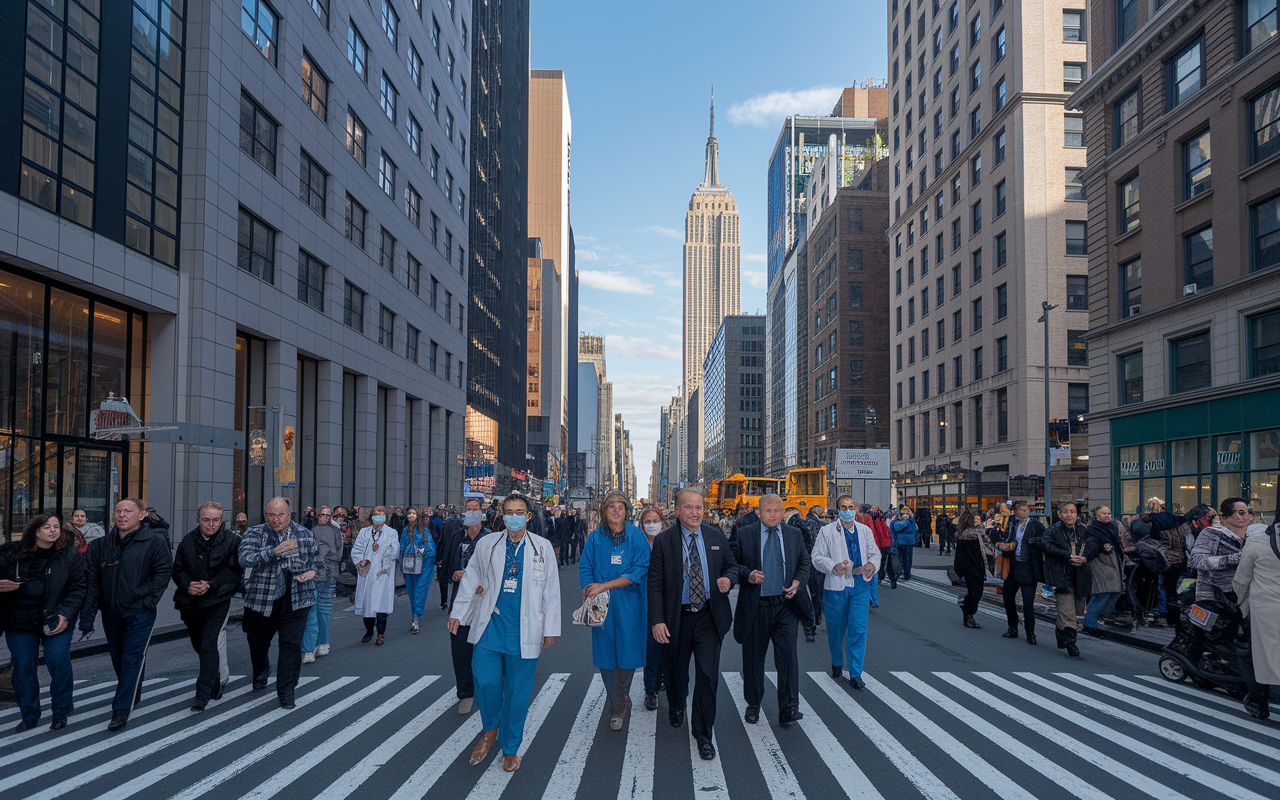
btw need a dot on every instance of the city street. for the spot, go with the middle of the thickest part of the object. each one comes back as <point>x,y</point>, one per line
<point>947,713</point>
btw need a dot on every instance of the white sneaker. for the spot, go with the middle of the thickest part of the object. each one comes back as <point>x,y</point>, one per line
<point>322,650</point>
<point>308,658</point>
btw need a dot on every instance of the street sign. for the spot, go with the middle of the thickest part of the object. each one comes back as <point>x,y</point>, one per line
<point>862,464</point>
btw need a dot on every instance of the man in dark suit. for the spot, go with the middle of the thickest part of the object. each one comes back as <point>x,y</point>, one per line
<point>691,571</point>
<point>773,564</point>
<point>1021,544</point>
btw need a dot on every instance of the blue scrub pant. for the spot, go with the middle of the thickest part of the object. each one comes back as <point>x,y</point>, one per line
<point>875,591</point>
<point>320,618</point>
<point>847,625</point>
<point>418,587</point>
<point>24,651</point>
<point>504,688</point>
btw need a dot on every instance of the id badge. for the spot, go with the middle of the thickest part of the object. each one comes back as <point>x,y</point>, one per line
<point>616,559</point>
<point>509,585</point>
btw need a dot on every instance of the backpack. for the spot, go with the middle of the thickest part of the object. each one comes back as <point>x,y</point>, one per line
<point>1152,553</point>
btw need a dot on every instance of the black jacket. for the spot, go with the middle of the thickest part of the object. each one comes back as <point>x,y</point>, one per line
<point>1030,540</point>
<point>1058,543</point>
<point>924,523</point>
<point>969,561</point>
<point>746,551</point>
<point>449,555</point>
<point>666,578</point>
<point>127,576</point>
<point>214,560</point>
<point>64,584</point>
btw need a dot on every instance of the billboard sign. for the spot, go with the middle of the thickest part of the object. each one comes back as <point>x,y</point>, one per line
<point>862,464</point>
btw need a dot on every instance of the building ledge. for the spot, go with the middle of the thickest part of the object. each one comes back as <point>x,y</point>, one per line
<point>1185,204</point>
<point>1187,398</point>
<point>1253,169</point>
<point>1129,234</point>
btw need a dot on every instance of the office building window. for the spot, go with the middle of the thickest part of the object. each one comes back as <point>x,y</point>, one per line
<point>1076,242</point>
<point>1259,23</point>
<point>434,164</point>
<point>1126,20</point>
<point>312,183</point>
<point>391,24</point>
<point>258,133</point>
<point>1072,76</point>
<point>999,45</point>
<point>926,433</point>
<point>911,437</point>
<point>1264,113</point>
<point>1073,130</point>
<point>1073,26</point>
<point>433,100</point>
<point>413,275</point>
<point>1264,344</point>
<point>1000,198</point>
<point>1130,288</point>
<point>1129,205</point>
<point>1190,356</point>
<point>1077,349</point>
<point>1077,292</point>
<point>310,280</point>
<point>941,336</point>
<point>357,52</point>
<point>957,372</point>
<point>433,353</point>
<point>1266,234</point>
<point>1002,250</point>
<point>353,308</point>
<point>1126,117</point>
<point>977,314</point>
<point>957,326</point>
<point>1129,368</point>
<point>977,421</point>
<point>357,137</point>
<point>386,328</point>
<point>355,219</point>
<point>315,87</point>
<point>260,23</point>
<point>853,257</point>
<point>975,123</point>
<point>957,423</point>
<point>855,295</point>
<point>389,98</point>
<point>975,31</point>
<point>975,262</point>
<point>1002,301</point>
<point>999,140</point>
<point>387,251</point>
<point>975,170</point>
<point>856,334</point>
<point>1002,354</point>
<point>975,76</point>
<point>256,251</point>
<point>321,7</point>
<point>942,429</point>
<point>414,61</point>
<point>1197,167</point>
<point>1074,184</point>
<point>387,174</point>
<point>975,224</point>
<point>411,343</point>
<point>1186,73</point>
<point>1002,415</point>
<point>413,134</point>
<point>1198,252</point>
<point>955,280</point>
<point>413,205</point>
<point>941,370</point>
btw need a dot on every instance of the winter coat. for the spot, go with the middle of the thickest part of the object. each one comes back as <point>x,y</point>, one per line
<point>1214,558</point>
<point>215,560</point>
<point>1106,573</point>
<point>329,542</point>
<point>127,576</point>
<point>924,523</point>
<point>904,531</point>
<point>1257,585</point>
<point>64,584</point>
<point>1058,543</point>
<point>881,529</point>
<point>970,560</point>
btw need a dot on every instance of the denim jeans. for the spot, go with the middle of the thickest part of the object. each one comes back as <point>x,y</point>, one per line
<point>905,552</point>
<point>1100,605</point>
<point>128,636</point>
<point>653,665</point>
<point>320,618</point>
<point>24,651</point>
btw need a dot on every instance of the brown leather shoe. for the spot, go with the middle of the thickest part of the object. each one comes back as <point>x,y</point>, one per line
<point>510,763</point>
<point>481,750</point>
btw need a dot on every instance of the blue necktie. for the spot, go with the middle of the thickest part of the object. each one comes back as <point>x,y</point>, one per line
<point>773,566</point>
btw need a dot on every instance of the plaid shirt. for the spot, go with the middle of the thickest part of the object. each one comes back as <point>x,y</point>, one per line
<point>271,572</point>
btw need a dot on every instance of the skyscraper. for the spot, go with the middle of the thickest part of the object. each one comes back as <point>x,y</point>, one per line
<point>712,269</point>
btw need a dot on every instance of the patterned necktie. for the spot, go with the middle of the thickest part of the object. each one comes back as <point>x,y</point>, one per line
<point>773,565</point>
<point>693,572</point>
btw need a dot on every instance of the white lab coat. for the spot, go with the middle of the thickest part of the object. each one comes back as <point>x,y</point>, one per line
<point>830,549</point>
<point>539,590</point>
<point>376,592</point>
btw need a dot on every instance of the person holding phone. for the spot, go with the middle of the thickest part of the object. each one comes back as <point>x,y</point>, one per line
<point>42,587</point>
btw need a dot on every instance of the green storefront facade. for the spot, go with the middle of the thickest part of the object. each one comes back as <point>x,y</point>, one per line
<point>1201,452</point>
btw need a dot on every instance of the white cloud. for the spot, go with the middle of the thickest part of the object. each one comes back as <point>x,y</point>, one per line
<point>753,257</point>
<point>670,233</point>
<point>613,282</point>
<point>765,110</point>
<point>753,278</point>
<point>638,347</point>
<point>586,254</point>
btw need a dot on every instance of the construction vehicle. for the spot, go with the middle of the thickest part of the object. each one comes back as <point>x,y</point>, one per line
<point>805,487</point>
<point>739,490</point>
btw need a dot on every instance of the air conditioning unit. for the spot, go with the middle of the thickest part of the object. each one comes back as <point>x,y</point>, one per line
<point>1135,310</point>
<point>1190,288</point>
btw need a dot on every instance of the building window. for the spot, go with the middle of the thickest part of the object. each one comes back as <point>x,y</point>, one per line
<point>1130,288</point>
<point>855,295</point>
<point>1198,251</point>
<point>1077,349</point>
<point>414,62</point>
<point>357,137</point>
<point>1266,234</point>
<point>955,280</point>
<point>1126,20</point>
<point>413,135</point>
<point>1129,205</point>
<point>387,174</point>
<point>977,421</point>
<point>957,418</point>
<point>411,343</point>
<point>1196,166</point>
<point>387,251</point>
<point>1002,354</point>
<point>388,98</point>
<point>312,184</point>
<point>977,314</point>
<point>321,7</point>
<point>975,262</point>
<point>975,169</point>
<point>315,87</point>
<point>1073,26</point>
<point>1264,344</point>
<point>1076,243</point>
<point>999,146</point>
<point>413,205</point>
<point>1259,23</point>
<point>1073,130</point>
<point>1190,356</point>
<point>1002,301</point>
<point>975,123</point>
<point>1077,292</point>
<point>975,223</point>
<point>435,35</point>
<point>413,275</point>
<point>310,281</point>
<point>434,164</point>
<point>1072,76</point>
<point>853,257</point>
<point>258,133</point>
<point>357,52</point>
<point>448,124</point>
<point>1077,404</point>
<point>1000,94</point>
<point>855,333</point>
<point>355,219</point>
<point>1075,186</point>
<point>433,354</point>
<point>256,252</point>
<point>999,45</point>
<point>387,328</point>
<point>353,308</point>
<point>259,22</point>
<point>957,326</point>
<point>391,24</point>
<point>1186,73</point>
<point>975,76</point>
<point>975,31</point>
<point>1126,118</point>
<point>433,100</point>
<point>1000,198</point>
<point>977,363</point>
<point>1264,112</point>
<point>1002,415</point>
<point>1129,368</point>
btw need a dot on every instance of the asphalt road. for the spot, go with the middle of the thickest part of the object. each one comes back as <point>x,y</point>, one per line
<point>948,713</point>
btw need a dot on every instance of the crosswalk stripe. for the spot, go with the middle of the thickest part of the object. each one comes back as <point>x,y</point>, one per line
<point>844,769</point>
<point>1162,730</point>
<point>1143,783</point>
<point>943,594</point>
<point>298,767</point>
<point>353,779</point>
<point>87,724</point>
<point>636,781</point>
<point>979,767</point>
<point>911,767</point>
<point>1055,773</point>
<point>1240,722</point>
<point>1199,694</point>
<point>425,776</point>
<point>778,775</point>
<point>495,778</point>
<point>708,776</point>
<point>1200,776</point>
<point>567,774</point>
<point>78,698</point>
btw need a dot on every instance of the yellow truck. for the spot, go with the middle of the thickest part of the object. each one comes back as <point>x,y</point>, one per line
<point>804,489</point>
<point>739,489</point>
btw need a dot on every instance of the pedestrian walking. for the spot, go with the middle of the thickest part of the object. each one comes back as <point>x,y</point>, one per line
<point>278,595</point>
<point>690,613</point>
<point>454,555</point>
<point>1064,570</point>
<point>42,587</point>
<point>773,567</point>
<point>376,551</point>
<point>346,580</point>
<point>510,597</point>
<point>398,519</point>
<point>438,530</point>
<point>884,543</point>
<point>905,535</point>
<point>846,551</point>
<point>328,535</point>
<point>813,523</point>
<point>417,563</point>
<point>1020,545</point>
<point>89,530</point>
<point>924,525</point>
<point>206,573</point>
<point>652,523</point>
<point>127,572</point>
<point>616,560</point>
<point>1257,586</point>
<point>971,565</point>
<point>1106,567</point>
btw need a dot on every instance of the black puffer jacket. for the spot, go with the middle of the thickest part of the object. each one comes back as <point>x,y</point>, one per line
<point>127,576</point>
<point>64,584</point>
<point>214,560</point>
<point>1058,544</point>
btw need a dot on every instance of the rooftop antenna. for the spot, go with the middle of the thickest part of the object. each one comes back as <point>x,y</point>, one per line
<point>713,110</point>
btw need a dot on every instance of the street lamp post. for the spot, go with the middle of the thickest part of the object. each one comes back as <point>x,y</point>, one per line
<point>1048,454</point>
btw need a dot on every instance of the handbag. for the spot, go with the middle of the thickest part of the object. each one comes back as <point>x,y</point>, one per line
<point>411,564</point>
<point>594,610</point>
<point>895,561</point>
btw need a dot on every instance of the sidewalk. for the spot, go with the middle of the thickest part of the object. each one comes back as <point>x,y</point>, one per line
<point>928,566</point>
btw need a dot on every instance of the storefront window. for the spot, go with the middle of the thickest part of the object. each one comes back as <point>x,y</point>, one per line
<point>21,353</point>
<point>67,361</point>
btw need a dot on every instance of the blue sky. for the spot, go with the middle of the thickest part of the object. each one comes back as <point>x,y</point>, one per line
<point>639,79</point>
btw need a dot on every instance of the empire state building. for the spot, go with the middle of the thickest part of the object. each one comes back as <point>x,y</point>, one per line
<point>712,264</point>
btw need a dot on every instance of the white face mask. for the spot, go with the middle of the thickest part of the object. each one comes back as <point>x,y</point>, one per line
<point>471,518</point>
<point>653,528</point>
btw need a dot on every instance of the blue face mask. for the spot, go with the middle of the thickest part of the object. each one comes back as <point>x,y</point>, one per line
<point>515,522</point>
<point>847,515</point>
<point>377,519</point>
